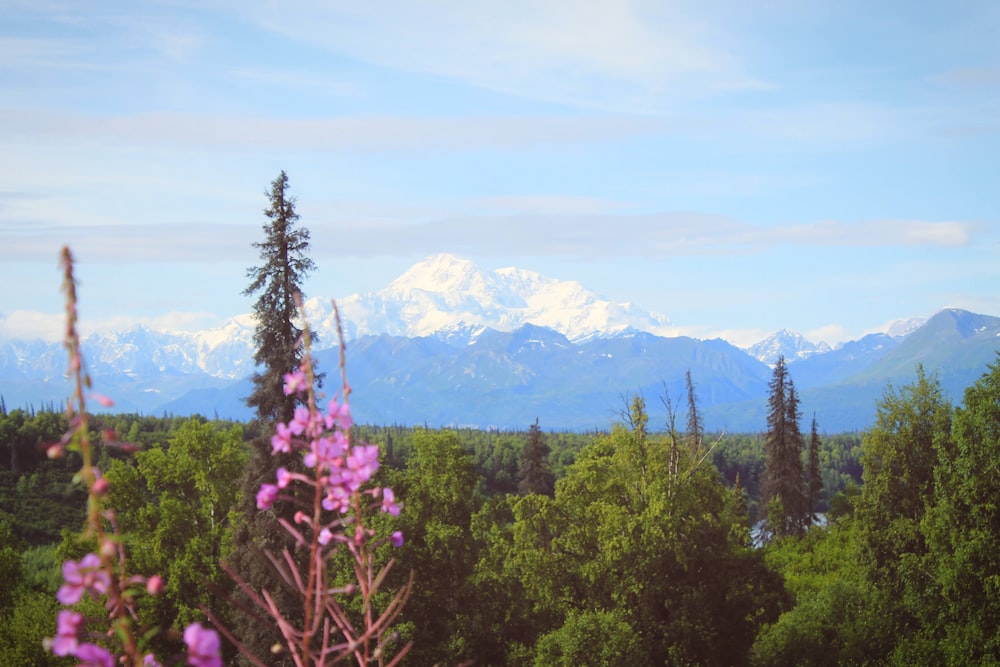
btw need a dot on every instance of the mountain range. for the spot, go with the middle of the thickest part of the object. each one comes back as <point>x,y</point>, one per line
<point>449,344</point>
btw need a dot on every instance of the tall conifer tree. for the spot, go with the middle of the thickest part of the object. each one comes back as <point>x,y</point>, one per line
<point>278,281</point>
<point>695,428</point>
<point>814,476</point>
<point>534,473</point>
<point>783,496</point>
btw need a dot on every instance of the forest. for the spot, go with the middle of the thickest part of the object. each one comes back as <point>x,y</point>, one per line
<point>653,543</point>
<point>636,545</point>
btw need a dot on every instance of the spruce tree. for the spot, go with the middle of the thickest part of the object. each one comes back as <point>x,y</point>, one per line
<point>814,476</point>
<point>782,493</point>
<point>278,282</point>
<point>534,473</point>
<point>695,428</point>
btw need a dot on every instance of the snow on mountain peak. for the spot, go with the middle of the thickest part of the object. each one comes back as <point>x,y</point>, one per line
<point>785,343</point>
<point>903,327</point>
<point>444,291</point>
<point>442,273</point>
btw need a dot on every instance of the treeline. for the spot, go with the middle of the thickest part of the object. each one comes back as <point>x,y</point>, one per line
<point>41,500</point>
<point>511,535</point>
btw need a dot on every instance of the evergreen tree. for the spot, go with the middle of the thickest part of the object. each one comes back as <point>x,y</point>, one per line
<point>782,493</point>
<point>814,476</point>
<point>279,282</point>
<point>695,428</point>
<point>534,473</point>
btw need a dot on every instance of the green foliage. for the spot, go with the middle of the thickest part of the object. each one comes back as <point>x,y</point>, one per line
<point>833,620</point>
<point>630,549</point>
<point>590,639</point>
<point>174,504</point>
<point>899,461</point>
<point>438,492</point>
<point>963,530</point>
<point>22,631</point>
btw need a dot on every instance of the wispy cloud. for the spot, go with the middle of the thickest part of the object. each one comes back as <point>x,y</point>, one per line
<point>660,235</point>
<point>362,133</point>
<point>566,233</point>
<point>622,55</point>
<point>34,325</point>
<point>123,244</point>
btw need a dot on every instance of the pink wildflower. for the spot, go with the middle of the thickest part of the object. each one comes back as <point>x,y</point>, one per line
<point>282,440</point>
<point>150,661</point>
<point>396,538</point>
<point>266,496</point>
<point>86,575</point>
<point>67,628</point>
<point>337,499</point>
<point>389,502</point>
<point>362,462</point>
<point>339,414</point>
<point>301,421</point>
<point>325,452</point>
<point>325,536</point>
<point>92,655</point>
<point>203,646</point>
<point>284,478</point>
<point>295,383</point>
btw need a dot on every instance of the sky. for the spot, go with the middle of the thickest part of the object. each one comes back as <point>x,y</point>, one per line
<point>739,166</point>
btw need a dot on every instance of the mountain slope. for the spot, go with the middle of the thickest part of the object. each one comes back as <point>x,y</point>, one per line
<point>952,343</point>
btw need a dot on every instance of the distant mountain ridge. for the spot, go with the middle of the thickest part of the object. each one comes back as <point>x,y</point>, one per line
<point>788,344</point>
<point>447,343</point>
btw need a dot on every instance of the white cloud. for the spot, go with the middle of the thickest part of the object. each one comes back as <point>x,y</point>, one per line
<point>657,235</point>
<point>359,133</point>
<point>30,325</point>
<point>562,50</point>
<point>125,244</point>
<point>831,334</point>
<point>868,233</point>
<point>51,327</point>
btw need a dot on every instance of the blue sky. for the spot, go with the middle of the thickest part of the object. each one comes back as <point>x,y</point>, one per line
<point>738,166</point>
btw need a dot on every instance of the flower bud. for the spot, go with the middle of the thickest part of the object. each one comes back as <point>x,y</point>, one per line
<point>154,585</point>
<point>108,549</point>
<point>101,486</point>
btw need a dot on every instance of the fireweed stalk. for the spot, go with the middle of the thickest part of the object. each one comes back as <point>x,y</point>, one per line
<point>118,639</point>
<point>338,473</point>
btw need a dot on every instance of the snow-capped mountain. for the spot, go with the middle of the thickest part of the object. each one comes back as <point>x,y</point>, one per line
<point>448,342</point>
<point>445,292</point>
<point>788,344</point>
<point>904,327</point>
<point>442,296</point>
